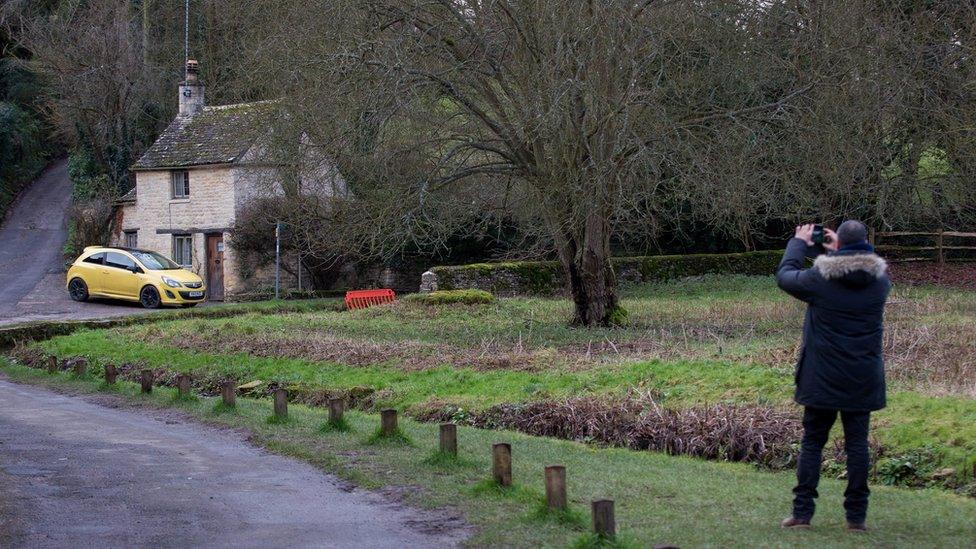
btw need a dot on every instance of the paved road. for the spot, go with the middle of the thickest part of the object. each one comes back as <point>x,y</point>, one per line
<point>31,264</point>
<point>74,473</point>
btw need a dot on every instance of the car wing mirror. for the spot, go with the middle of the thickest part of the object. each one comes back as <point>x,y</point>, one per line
<point>135,269</point>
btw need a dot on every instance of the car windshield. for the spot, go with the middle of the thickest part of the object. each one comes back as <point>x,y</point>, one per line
<point>155,262</point>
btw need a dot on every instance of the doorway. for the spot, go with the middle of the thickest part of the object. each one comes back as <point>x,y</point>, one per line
<point>215,266</point>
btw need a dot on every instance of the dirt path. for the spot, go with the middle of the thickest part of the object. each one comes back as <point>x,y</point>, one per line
<point>77,474</point>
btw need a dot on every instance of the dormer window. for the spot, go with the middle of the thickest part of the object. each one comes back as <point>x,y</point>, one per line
<point>180,183</point>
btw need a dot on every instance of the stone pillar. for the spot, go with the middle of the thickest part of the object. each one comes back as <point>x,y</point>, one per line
<point>428,282</point>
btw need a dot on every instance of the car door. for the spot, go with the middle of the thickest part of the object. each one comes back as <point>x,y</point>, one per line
<point>91,270</point>
<point>119,278</point>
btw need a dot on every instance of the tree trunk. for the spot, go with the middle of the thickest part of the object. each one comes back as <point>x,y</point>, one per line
<point>586,262</point>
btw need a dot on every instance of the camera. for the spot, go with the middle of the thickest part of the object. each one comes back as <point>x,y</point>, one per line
<point>818,234</point>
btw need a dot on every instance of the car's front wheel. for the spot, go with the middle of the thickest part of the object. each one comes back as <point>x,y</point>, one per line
<point>149,297</point>
<point>78,290</point>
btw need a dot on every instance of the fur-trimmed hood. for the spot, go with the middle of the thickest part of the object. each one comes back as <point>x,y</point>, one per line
<point>850,267</point>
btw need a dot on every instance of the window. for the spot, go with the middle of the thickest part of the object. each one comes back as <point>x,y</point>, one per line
<point>183,250</point>
<point>154,261</point>
<point>95,258</point>
<point>119,261</point>
<point>131,239</point>
<point>181,183</point>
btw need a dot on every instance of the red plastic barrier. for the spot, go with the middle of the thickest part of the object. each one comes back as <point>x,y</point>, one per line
<point>360,299</point>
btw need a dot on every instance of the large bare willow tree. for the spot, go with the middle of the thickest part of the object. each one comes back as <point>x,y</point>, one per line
<point>583,113</point>
<point>597,123</point>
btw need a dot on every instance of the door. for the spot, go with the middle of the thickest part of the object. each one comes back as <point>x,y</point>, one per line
<point>215,266</point>
<point>119,276</point>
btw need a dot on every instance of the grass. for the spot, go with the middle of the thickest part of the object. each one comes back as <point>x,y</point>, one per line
<point>659,498</point>
<point>688,343</point>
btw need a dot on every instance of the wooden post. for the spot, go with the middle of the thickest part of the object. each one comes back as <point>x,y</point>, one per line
<point>52,365</point>
<point>388,422</point>
<point>556,487</point>
<point>873,236</point>
<point>228,393</point>
<point>111,373</point>
<point>603,522</point>
<point>501,463</point>
<point>147,380</point>
<point>336,407</point>
<point>940,252</point>
<point>281,403</point>
<point>81,366</point>
<point>449,438</point>
<point>183,385</point>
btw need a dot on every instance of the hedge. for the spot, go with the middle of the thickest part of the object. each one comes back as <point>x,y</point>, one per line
<point>546,277</point>
<point>448,297</point>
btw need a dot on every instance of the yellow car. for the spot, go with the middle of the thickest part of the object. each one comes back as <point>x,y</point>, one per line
<point>134,275</point>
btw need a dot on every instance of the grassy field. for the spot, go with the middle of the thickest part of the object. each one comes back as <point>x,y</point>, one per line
<point>694,343</point>
<point>702,354</point>
<point>659,498</point>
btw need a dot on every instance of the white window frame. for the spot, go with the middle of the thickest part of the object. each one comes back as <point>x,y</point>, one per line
<point>179,184</point>
<point>183,249</point>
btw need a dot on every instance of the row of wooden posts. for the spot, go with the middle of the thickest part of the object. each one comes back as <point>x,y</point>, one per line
<point>604,523</point>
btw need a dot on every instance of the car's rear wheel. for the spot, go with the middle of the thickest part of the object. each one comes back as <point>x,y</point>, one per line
<point>149,297</point>
<point>78,290</point>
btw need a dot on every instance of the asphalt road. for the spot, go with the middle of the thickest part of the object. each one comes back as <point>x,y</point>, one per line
<point>31,264</point>
<point>74,473</point>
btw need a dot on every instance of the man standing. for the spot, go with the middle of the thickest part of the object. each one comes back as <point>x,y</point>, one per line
<point>841,365</point>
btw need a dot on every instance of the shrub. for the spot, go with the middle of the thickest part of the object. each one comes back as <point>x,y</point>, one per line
<point>446,297</point>
<point>546,277</point>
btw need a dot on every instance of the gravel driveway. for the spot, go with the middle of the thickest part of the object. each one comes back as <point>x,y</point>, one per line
<point>74,473</point>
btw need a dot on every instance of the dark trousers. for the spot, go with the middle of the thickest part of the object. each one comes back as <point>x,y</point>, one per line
<point>816,427</point>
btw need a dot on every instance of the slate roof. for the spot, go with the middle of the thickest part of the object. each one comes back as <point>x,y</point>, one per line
<point>128,197</point>
<point>215,135</point>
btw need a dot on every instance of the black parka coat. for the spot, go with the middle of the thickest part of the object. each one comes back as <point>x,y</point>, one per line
<point>841,364</point>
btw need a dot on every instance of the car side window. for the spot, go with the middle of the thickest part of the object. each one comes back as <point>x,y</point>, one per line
<point>119,261</point>
<point>95,258</point>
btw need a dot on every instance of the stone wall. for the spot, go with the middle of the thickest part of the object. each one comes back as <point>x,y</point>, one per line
<point>210,208</point>
<point>546,277</point>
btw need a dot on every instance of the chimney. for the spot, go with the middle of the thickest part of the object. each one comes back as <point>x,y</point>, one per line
<point>191,90</point>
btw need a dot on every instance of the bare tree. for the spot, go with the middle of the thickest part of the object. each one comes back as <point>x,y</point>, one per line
<point>583,113</point>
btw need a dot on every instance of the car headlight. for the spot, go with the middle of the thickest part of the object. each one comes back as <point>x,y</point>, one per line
<point>170,282</point>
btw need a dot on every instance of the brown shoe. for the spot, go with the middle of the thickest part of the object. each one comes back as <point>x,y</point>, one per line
<point>795,523</point>
<point>856,527</point>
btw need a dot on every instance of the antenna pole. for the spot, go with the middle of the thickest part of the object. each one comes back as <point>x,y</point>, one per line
<point>186,37</point>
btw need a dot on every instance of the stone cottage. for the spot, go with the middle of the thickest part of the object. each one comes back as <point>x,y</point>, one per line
<point>193,182</point>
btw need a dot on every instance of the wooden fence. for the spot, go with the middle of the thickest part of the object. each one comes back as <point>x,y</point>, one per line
<point>935,252</point>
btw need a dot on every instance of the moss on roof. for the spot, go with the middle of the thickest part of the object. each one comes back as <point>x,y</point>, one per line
<point>215,135</point>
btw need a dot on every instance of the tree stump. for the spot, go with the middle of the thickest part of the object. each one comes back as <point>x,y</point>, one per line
<point>604,523</point>
<point>183,385</point>
<point>388,422</point>
<point>448,439</point>
<point>111,373</point>
<point>336,408</point>
<point>146,380</point>
<point>228,393</point>
<point>80,366</point>
<point>501,463</point>
<point>52,364</point>
<point>281,403</point>
<point>556,487</point>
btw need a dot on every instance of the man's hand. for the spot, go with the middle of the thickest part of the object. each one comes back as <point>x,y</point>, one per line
<point>831,244</point>
<point>805,233</point>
